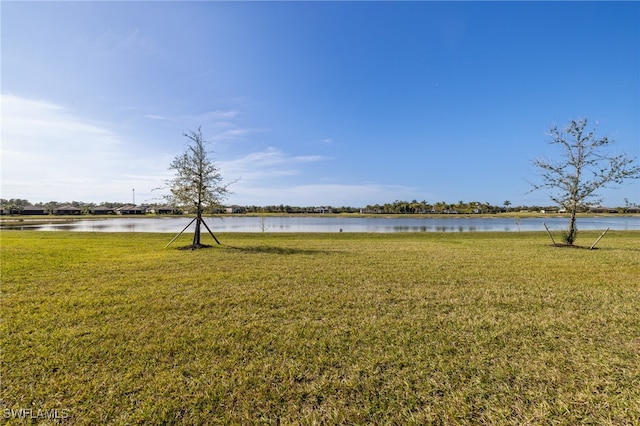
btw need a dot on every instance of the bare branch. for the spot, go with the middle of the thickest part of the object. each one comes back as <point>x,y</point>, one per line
<point>584,169</point>
<point>197,182</point>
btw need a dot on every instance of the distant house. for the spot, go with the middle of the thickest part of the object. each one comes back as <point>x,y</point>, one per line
<point>33,210</point>
<point>322,209</point>
<point>102,210</point>
<point>67,210</point>
<point>167,210</point>
<point>601,209</point>
<point>131,209</point>
<point>234,209</point>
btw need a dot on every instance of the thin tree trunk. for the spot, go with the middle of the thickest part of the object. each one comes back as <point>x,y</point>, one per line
<point>571,236</point>
<point>196,235</point>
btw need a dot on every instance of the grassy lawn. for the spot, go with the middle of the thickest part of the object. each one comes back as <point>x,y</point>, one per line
<point>468,328</point>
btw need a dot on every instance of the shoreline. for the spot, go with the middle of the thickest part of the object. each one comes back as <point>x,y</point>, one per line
<point>35,219</point>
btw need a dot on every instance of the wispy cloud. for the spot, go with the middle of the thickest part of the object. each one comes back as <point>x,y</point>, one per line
<point>156,117</point>
<point>50,153</point>
<point>309,158</point>
<point>267,164</point>
<point>215,116</point>
<point>356,195</point>
<point>261,183</point>
<point>217,125</point>
<point>111,42</point>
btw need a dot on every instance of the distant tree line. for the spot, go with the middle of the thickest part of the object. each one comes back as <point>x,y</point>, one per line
<point>281,208</point>
<point>440,207</point>
<point>15,205</point>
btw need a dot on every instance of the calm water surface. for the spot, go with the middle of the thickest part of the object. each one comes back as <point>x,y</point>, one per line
<point>337,224</point>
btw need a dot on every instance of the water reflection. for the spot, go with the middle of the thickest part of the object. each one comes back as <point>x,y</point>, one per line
<point>332,224</point>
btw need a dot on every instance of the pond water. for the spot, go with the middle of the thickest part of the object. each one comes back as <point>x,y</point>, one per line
<point>335,224</point>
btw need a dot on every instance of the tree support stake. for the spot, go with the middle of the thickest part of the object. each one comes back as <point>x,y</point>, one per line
<point>599,238</point>
<point>549,232</point>
<point>180,233</point>
<point>211,233</point>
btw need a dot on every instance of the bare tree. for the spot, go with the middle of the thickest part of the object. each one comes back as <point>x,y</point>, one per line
<point>197,182</point>
<point>584,167</point>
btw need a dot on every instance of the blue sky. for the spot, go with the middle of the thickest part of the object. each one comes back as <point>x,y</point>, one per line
<point>309,103</point>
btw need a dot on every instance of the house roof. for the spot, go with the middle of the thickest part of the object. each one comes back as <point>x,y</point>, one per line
<point>131,207</point>
<point>68,208</point>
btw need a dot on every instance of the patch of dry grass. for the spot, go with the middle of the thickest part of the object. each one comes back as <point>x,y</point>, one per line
<point>495,328</point>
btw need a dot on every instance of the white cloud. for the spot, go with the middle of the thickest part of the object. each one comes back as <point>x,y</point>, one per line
<point>261,183</point>
<point>217,126</point>
<point>355,195</point>
<point>309,158</point>
<point>113,42</point>
<point>155,117</point>
<point>215,116</point>
<point>50,153</point>
<point>257,167</point>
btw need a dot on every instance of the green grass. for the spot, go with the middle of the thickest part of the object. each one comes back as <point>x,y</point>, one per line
<point>468,328</point>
